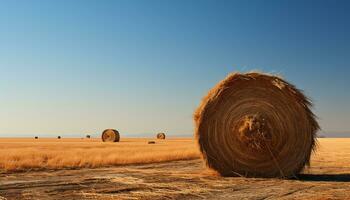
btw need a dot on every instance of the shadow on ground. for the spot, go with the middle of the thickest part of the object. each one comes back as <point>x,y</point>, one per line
<point>324,177</point>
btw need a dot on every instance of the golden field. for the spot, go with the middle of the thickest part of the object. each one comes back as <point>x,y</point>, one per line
<point>19,154</point>
<point>332,156</point>
<point>95,177</point>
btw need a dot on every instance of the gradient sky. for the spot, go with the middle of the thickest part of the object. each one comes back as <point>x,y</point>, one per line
<point>70,67</point>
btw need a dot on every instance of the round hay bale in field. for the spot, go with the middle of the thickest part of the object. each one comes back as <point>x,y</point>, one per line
<point>88,136</point>
<point>161,136</point>
<point>36,137</point>
<point>58,137</point>
<point>255,125</point>
<point>110,135</point>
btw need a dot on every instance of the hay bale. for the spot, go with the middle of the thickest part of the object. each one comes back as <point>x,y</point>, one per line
<point>88,136</point>
<point>255,125</point>
<point>151,142</point>
<point>58,137</point>
<point>161,136</point>
<point>110,135</point>
<point>36,137</point>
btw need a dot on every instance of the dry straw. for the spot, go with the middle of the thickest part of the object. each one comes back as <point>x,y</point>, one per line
<point>110,135</point>
<point>255,125</point>
<point>161,136</point>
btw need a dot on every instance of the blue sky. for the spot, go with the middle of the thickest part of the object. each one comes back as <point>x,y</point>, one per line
<point>71,67</point>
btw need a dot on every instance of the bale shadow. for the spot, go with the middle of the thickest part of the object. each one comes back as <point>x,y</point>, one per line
<point>324,177</point>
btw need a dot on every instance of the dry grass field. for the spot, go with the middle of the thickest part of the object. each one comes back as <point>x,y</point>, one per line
<point>332,156</point>
<point>28,154</point>
<point>327,178</point>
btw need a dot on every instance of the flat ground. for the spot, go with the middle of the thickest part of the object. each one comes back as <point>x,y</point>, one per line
<point>22,154</point>
<point>327,178</point>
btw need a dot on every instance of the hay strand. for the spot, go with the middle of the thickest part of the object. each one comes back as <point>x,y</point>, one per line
<point>255,125</point>
<point>110,135</point>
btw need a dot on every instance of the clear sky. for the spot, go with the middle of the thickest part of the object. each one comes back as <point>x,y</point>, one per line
<point>71,67</point>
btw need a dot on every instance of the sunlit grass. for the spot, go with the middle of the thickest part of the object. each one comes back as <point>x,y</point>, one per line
<point>31,154</point>
<point>24,154</point>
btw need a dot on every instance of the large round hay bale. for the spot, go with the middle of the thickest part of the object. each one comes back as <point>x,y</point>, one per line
<point>255,125</point>
<point>161,136</point>
<point>110,135</point>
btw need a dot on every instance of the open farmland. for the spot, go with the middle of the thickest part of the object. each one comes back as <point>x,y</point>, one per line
<point>327,178</point>
<point>43,153</point>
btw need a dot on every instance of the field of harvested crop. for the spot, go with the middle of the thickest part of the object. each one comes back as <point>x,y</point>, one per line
<point>327,178</point>
<point>28,154</point>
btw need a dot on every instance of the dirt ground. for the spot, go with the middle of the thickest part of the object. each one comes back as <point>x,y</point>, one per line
<point>327,178</point>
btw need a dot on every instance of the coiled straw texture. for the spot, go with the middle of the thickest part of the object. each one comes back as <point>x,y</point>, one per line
<point>255,125</point>
<point>161,136</point>
<point>110,135</point>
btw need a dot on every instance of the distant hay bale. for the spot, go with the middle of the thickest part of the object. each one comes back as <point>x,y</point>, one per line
<point>58,137</point>
<point>151,142</point>
<point>161,136</point>
<point>110,135</point>
<point>36,137</point>
<point>255,125</point>
<point>88,136</point>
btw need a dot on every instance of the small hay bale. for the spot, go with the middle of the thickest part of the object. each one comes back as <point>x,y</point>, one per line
<point>255,125</point>
<point>151,142</point>
<point>88,136</point>
<point>161,136</point>
<point>36,137</point>
<point>110,135</point>
<point>58,137</point>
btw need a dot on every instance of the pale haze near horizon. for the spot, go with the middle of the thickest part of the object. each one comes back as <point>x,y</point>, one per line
<point>73,68</point>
